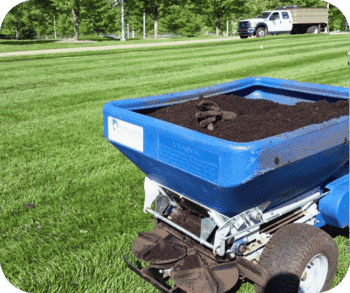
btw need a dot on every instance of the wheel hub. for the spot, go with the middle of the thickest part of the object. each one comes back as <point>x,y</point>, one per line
<point>314,275</point>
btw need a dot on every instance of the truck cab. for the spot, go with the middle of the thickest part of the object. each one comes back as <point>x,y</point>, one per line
<point>267,22</point>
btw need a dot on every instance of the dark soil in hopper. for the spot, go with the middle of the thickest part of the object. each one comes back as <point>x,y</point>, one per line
<point>256,119</point>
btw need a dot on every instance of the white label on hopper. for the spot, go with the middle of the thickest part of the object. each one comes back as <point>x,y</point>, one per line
<point>125,133</point>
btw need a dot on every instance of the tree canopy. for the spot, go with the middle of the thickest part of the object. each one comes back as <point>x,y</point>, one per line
<point>188,17</point>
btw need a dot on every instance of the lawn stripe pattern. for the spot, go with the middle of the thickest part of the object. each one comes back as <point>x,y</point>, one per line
<point>88,197</point>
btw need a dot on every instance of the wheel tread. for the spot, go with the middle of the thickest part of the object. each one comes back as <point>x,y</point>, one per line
<point>296,244</point>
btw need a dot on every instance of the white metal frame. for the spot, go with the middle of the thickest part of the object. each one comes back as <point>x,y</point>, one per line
<point>244,226</point>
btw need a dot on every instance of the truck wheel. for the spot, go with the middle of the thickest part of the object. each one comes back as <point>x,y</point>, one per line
<point>299,257</point>
<point>312,30</point>
<point>260,33</point>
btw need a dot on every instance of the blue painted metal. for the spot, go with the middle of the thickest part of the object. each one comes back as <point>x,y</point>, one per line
<point>231,177</point>
<point>334,207</point>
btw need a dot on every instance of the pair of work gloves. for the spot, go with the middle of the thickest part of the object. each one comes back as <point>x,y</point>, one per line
<point>209,113</point>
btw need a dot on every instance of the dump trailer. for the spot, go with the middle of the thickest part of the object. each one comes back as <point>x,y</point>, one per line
<point>285,20</point>
<point>228,210</point>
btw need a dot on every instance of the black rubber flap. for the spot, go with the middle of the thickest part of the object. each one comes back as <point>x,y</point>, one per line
<point>158,247</point>
<point>192,275</point>
<point>162,202</point>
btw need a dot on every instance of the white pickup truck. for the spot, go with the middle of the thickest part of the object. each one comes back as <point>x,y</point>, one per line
<point>287,19</point>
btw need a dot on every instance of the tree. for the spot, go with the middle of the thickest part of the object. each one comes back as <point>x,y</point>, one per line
<point>154,8</point>
<point>192,23</point>
<point>20,20</point>
<point>45,14</point>
<point>29,18</point>
<point>175,19</point>
<point>73,6</point>
<point>336,19</point>
<point>65,25</point>
<point>219,10</point>
<point>309,3</point>
<point>99,16</point>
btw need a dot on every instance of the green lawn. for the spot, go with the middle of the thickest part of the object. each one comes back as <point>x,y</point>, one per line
<point>88,197</point>
<point>27,45</point>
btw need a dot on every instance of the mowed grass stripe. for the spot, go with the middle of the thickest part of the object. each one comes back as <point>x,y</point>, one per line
<point>13,46</point>
<point>174,54</point>
<point>257,41</point>
<point>93,97</point>
<point>36,123</point>
<point>163,65</point>
<point>26,45</point>
<point>218,65</point>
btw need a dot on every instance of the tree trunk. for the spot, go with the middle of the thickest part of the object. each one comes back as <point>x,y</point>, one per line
<point>217,27</point>
<point>17,33</point>
<point>54,26</point>
<point>144,26</point>
<point>76,25</point>
<point>156,28</point>
<point>156,21</point>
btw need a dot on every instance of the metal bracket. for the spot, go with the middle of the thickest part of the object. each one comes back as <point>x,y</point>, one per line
<point>219,242</point>
<point>207,227</point>
<point>152,190</point>
<point>201,241</point>
<point>246,221</point>
<point>310,216</point>
<point>151,279</point>
<point>250,221</point>
<point>218,218</point>
<point>245,225</point>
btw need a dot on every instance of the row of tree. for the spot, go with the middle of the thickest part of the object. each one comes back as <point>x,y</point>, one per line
<point>188,17</point>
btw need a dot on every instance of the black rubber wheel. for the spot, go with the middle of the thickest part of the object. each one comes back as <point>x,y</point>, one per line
<point>260,32</point>
<point>244,37</point>
<point>312,30</point>
<point>287,257</point>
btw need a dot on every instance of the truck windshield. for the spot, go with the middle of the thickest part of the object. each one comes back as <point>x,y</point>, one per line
<point>263,15</point>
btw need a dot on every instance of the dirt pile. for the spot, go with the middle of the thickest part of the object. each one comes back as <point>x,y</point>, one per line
<point>256,119</point>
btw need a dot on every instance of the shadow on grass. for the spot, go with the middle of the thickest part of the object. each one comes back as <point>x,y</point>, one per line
<point>15,42</point>
<point>287,283</point>
<point>98,39</point>
<point>26,42</point>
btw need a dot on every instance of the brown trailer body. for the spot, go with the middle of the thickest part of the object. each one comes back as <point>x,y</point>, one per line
<point>309,15</point>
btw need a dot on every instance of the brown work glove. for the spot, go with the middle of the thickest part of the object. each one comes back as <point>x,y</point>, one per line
<point>210,113</point>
